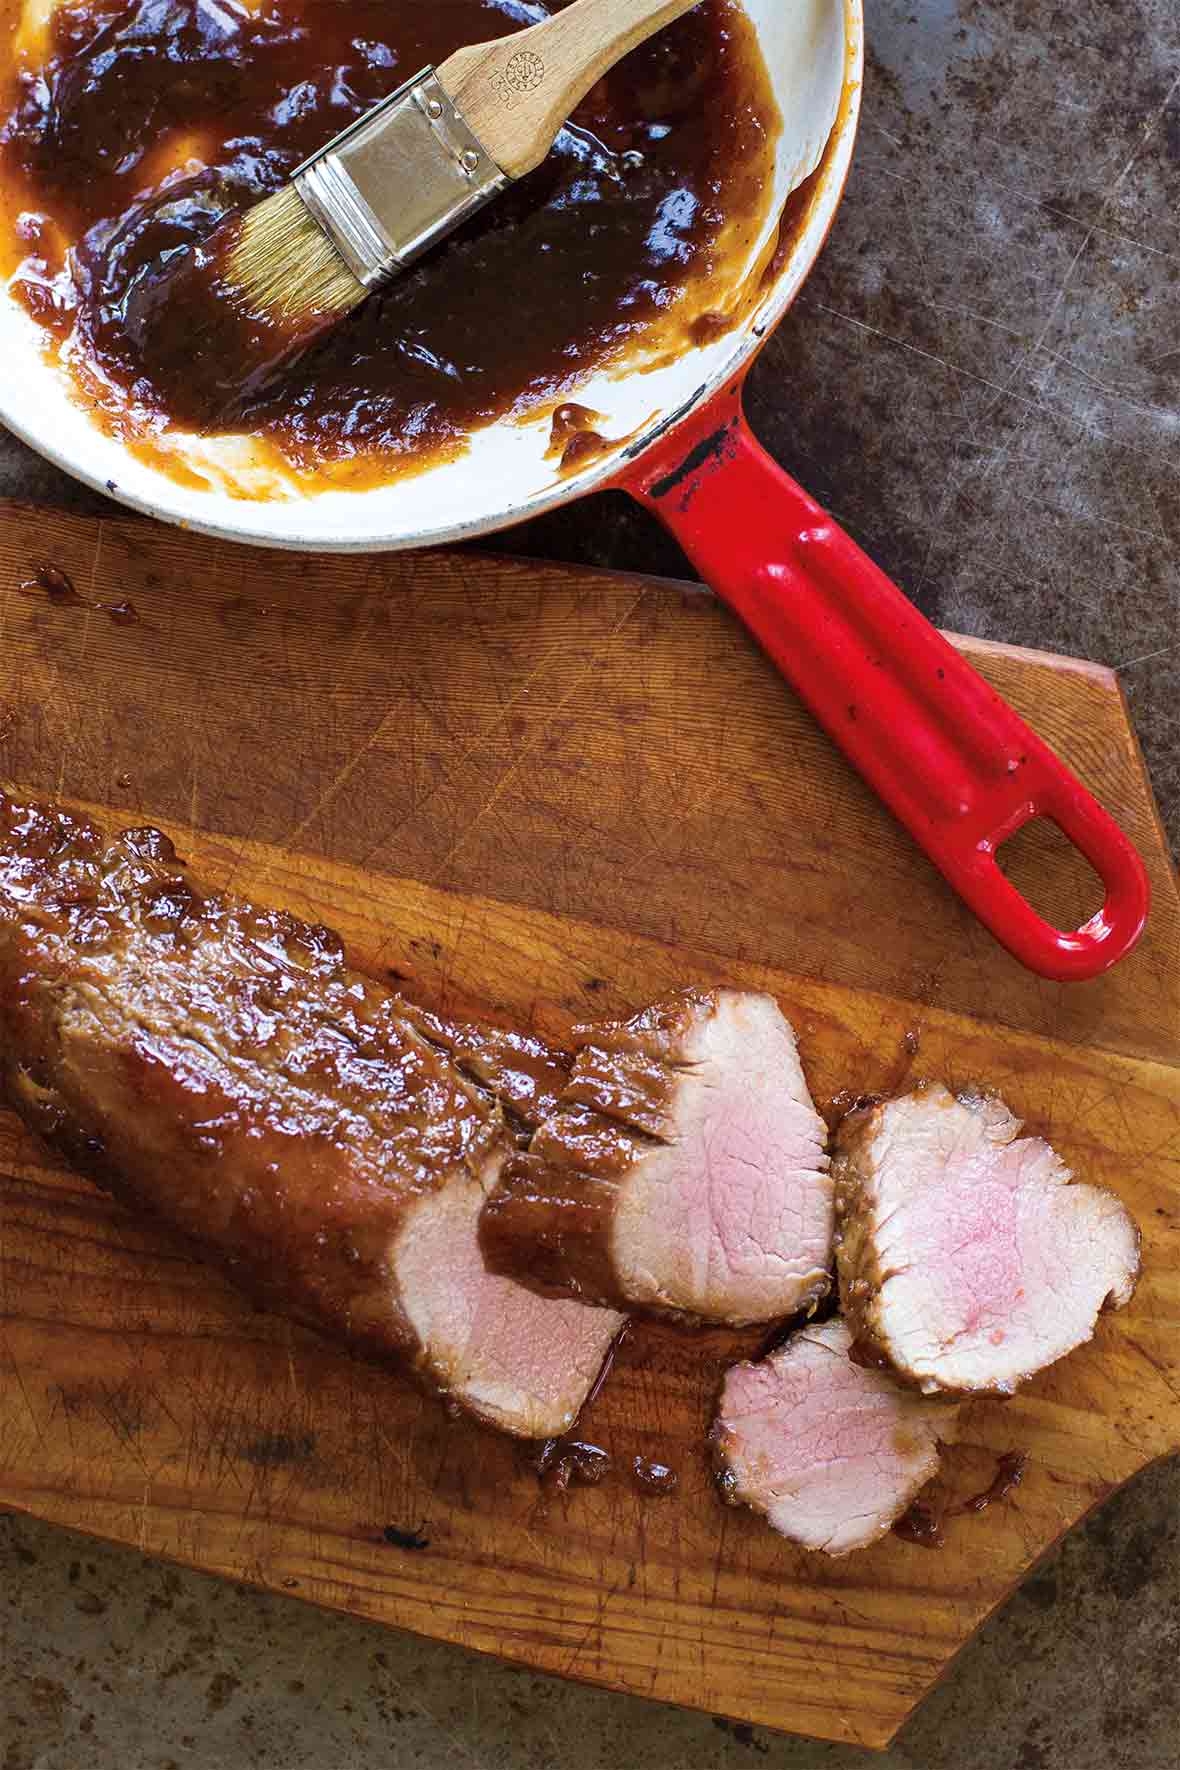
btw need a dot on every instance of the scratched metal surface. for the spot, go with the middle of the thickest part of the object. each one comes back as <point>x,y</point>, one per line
<point>983,381</point>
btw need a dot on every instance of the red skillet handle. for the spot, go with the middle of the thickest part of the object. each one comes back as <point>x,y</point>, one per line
<point>950,758</point>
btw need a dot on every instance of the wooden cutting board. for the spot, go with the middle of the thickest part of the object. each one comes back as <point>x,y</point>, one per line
<point>552,794</point>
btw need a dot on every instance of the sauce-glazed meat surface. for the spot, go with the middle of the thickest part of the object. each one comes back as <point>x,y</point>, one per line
<point>684,1172</point>
<point>526,1075</point>
<point>221,1066</point>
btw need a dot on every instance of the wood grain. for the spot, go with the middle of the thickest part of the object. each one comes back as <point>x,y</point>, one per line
<point>551,793</point>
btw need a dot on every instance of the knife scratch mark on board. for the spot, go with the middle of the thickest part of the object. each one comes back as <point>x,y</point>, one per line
<point>552,714</point>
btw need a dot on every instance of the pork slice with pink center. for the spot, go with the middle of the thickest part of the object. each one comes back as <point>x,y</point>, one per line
<point>969,1258</point>
<point>683,1173</point>
<point>518,1361</point>
<point>831,1453</point>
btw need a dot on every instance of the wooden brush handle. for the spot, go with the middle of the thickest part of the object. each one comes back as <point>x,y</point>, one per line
<point>517,92</point>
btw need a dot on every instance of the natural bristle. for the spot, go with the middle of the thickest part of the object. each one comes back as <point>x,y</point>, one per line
<point>285,267</point>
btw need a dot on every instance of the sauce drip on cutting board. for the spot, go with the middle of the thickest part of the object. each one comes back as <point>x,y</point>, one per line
<point>134,127</point>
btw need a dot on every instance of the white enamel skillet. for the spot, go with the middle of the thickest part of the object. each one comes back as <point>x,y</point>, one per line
<point>953,762</point>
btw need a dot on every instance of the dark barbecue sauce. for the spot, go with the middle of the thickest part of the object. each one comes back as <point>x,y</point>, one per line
<point>134,128</point>
<point>1009,1474</point>
<point>59,587</point>
<point>567,1460</point>
<point>654,1478</point>
<point>52,581</point>
<point>924,1523</point>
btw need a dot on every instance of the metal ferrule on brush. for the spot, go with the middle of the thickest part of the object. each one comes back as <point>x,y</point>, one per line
<point>398,180</point>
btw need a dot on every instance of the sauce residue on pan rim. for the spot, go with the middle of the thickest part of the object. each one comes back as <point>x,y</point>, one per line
<point>704,296</point>
<point>575,439</point>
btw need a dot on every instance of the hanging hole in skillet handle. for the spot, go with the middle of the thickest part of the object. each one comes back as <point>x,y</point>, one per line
<point>1103,856</point>
<point>954,763</point>
<point>1058,881</point>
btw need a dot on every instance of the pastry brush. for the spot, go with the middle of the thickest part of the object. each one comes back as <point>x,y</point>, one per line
<point>402,177</point>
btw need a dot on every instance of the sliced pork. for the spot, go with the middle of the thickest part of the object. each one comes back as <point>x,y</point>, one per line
<point>221,1066</point>
<point>518,1361</point>
<point>831,1453</point>
<point>968,1256</point>
<point>684,1171</point>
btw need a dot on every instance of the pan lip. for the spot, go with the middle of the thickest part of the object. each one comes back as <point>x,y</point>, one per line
<point>598,476</point>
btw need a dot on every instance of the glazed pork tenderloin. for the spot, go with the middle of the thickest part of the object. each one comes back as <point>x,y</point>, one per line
<point>968,1257</point>
<point>221,1067</point>
<point>684,1172</point>
<point>831,1453</point>
<point>526,1076</point>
